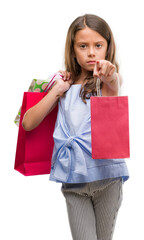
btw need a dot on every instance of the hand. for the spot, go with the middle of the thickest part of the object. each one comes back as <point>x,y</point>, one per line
<point>64,83</point>
<point>65,75</point>
<point>104,70</point>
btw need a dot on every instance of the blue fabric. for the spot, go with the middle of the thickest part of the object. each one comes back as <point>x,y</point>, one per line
<point>72,159</point>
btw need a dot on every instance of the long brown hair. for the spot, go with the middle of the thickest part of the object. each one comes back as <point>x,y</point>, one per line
<point>99,25</point>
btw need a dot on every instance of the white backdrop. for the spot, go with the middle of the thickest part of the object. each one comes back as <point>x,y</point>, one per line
<point>32,43</point>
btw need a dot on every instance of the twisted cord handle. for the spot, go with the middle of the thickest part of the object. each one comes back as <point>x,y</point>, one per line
<point>98,87</point>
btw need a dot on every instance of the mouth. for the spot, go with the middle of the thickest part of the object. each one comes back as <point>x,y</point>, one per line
<point>91,62</point>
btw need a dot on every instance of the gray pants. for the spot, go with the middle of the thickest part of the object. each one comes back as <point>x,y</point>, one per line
<point>92,208</point>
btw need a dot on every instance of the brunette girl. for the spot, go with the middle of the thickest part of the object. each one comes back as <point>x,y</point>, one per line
<point>92,187</point>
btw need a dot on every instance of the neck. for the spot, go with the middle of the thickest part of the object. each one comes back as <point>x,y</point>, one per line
<point>82,76</point>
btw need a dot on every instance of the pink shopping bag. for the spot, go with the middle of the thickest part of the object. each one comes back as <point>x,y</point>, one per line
<point>110,127</point>
<point>34,148</point>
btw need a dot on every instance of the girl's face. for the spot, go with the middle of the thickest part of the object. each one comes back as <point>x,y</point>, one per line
<point>89,46</point>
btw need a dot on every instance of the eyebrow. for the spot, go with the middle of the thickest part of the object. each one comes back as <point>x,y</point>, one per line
<point>86,42</point>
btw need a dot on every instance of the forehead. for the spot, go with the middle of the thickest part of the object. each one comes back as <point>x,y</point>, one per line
<point>88,35</point>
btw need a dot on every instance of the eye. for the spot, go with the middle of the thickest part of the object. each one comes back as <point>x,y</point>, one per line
<point>98,45</point>
<point>83,46</point>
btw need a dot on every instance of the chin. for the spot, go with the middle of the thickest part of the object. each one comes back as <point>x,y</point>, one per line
<point>90,69</point>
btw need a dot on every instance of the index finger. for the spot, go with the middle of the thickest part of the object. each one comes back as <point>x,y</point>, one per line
<point>95,71</point>
<point>98,65</point>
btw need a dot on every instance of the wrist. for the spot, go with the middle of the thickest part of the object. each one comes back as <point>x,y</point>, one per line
<point>112,80</point>
<point>58,89</point>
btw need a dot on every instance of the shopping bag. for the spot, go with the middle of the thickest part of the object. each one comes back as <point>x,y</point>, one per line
<point>39,85</point>
<point>34,148</point>
<point>110,127</point>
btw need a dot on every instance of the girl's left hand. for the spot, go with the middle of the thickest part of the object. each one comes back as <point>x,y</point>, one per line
<point>104,70</point>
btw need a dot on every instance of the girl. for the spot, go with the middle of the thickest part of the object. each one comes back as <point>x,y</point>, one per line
<point>92,188</point>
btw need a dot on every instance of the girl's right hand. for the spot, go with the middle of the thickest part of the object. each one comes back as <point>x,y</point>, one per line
<point>64,83</point>
<point>65,75</point>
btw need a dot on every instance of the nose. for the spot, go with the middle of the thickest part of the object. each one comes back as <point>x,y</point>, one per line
<point>91,52</point>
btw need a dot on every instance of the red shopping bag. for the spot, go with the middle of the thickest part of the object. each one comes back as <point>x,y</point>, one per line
<point>110,127</point>
<point>34,148</point>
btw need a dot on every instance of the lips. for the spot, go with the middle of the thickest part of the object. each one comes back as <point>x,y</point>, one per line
<point>91,62</point>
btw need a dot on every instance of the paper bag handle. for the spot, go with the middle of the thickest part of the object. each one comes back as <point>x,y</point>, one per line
<point>50,84</point>
<point>98,87</point>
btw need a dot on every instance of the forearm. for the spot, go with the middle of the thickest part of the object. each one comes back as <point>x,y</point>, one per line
<point>34,116</point>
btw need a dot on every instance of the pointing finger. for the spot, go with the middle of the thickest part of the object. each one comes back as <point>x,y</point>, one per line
<point>95,71</point>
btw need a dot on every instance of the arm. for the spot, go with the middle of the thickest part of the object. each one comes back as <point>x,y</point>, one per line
<point>112,80</point>
<point>34,116</point>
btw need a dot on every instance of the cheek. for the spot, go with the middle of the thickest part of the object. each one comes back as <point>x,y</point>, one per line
<point>105,53</point>
<point>102,55</point>
<point>79,58</point>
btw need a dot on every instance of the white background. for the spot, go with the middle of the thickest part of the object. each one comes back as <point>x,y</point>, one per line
<point>32,39</point>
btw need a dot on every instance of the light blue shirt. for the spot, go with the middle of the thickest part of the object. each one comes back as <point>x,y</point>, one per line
<point>72,158</point>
